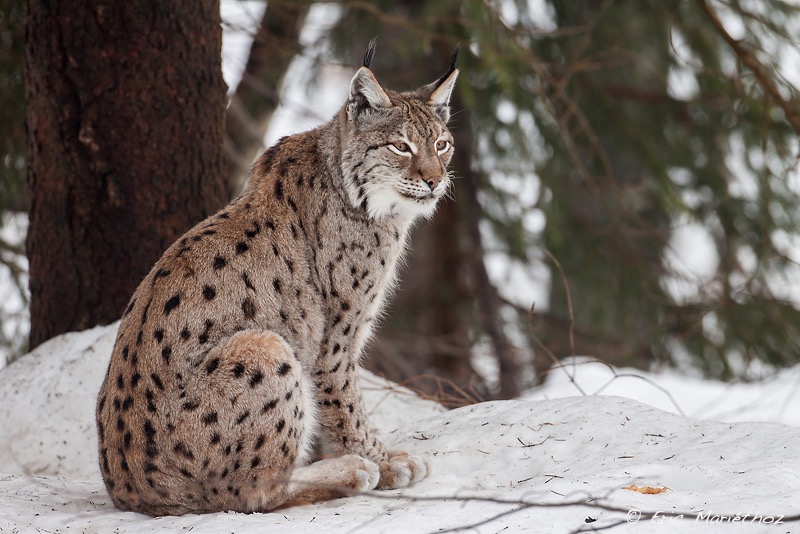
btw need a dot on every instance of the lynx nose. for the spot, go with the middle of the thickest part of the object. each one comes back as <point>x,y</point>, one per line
<point>431,180</point>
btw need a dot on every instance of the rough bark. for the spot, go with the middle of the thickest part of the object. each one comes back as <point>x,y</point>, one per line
<point>125,122</point>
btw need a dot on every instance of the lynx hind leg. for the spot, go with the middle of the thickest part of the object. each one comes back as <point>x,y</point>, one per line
<point>269,433</point>
<point>330,479</point>
<point>257,415</point>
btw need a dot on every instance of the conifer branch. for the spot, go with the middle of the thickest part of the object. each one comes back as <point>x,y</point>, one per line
<point>745,54</point>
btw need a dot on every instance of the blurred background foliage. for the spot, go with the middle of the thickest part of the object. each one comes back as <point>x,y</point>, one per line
<point>12,105</point>
<point>627,177</point>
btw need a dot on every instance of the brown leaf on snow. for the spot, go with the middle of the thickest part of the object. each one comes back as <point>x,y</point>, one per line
<point>647,490</point>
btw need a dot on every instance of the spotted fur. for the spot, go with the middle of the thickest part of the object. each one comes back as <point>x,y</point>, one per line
<point>241,346</point>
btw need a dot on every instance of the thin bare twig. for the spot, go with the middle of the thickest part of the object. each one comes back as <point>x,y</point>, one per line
<point>557,363</point>
<point>447,400</point>
<point>570,310</point>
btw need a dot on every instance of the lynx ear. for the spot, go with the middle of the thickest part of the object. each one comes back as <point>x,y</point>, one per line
<point>442,89</point>
<point>366,94</point>
<point>441,95</point>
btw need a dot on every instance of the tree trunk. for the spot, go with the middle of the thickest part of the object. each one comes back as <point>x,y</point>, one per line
<point>125,125</point>
<point>485,293</point>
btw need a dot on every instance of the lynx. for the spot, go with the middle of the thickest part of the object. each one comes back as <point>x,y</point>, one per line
<point>239,350</point>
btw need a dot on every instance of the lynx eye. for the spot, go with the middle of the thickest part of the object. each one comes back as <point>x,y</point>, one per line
<point>400,147</point>
<point>442,145</point>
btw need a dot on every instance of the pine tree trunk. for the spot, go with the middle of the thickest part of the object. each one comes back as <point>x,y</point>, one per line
<point>125,123</point>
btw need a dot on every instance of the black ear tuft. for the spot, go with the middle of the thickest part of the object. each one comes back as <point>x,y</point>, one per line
<point>438,93</point>
<point>453,60</point>
<point>371,52</point>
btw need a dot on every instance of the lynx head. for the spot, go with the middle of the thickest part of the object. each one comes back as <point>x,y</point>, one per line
<point>396,146</point>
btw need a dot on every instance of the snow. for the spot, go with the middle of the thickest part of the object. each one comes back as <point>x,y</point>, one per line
<point>773,398</point>
<point>514,466</point>
<point>240,20</point>
<point>14,313</point>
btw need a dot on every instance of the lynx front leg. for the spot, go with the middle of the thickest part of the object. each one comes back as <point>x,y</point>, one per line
<point>344,421</point>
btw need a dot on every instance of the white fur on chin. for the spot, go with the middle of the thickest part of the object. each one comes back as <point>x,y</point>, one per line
<point>386,202</point>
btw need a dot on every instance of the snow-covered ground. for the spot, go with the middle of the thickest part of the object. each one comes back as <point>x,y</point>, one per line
<point>555,465</point>
<point>773,398</point>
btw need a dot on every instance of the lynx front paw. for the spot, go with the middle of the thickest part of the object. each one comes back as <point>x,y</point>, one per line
<point>366,474</point>
<point>351,471</point>
<point>401,470</point>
